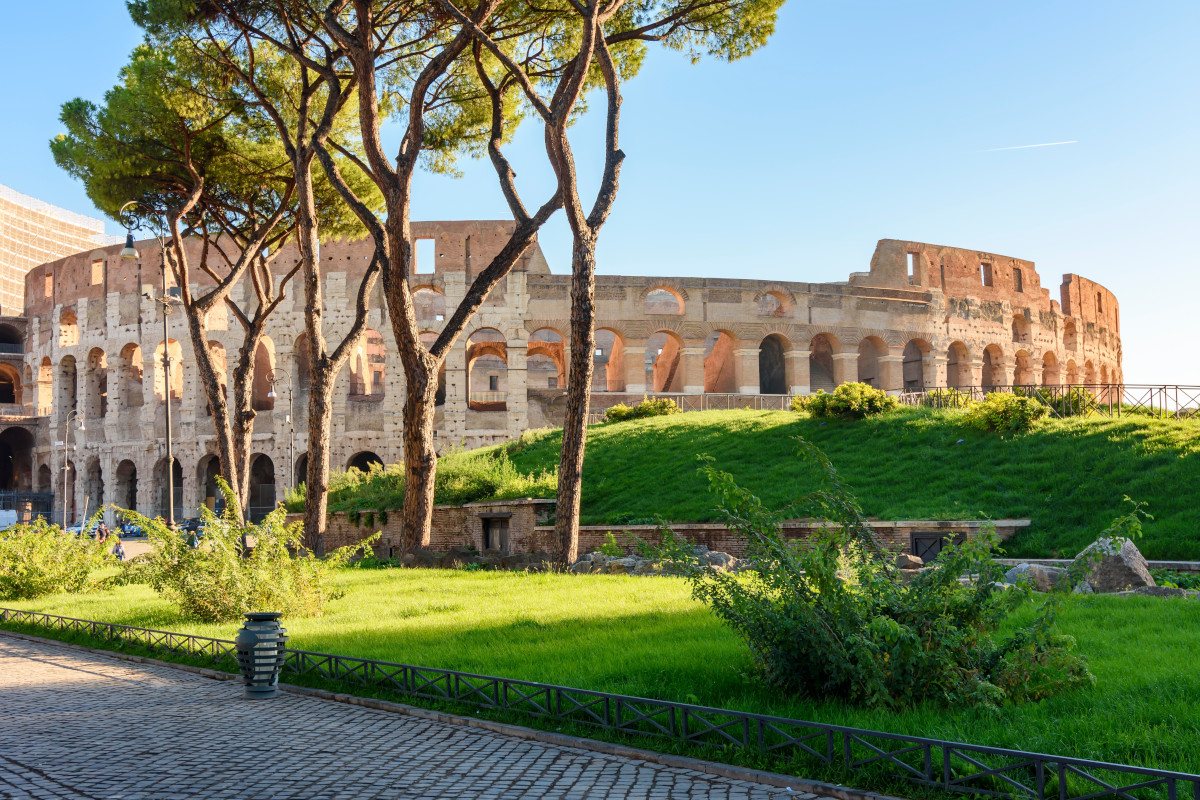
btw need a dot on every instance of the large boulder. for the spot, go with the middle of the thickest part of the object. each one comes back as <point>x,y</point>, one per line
<point>621,566</point>
<point>906,561</point>
<point>1040,578</point>
<point>1113,565</point>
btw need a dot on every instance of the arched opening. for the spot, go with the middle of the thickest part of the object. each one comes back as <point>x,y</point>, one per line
<point>662,361</point>
<point>207,472</point>
<point>662,301</point>
<point>10,385</point>
<point>261,396</point>
<point>1104,373</point>
<point>772,365</point>
<point>301,470</point>
<point>68,329</point>
<point>72,515</point>
<point>130,374</point>
<point>175,353</point>
<point>916,351</point>
<point>125,487</point>
<point>97,385</point>
<point>1024,375</point>
<point>262,487</point>
<point>869,351</point>
<point>11,340</point>
<point>1072,372</point>
<point>160,481</point>
<point>45,481</point>
<point>993,367</point>
<point>1070,337</point>
<point>773,304</point>
<point>609,361</point>
<point>958,366</point>
<point>93,486</point>
<point>68,386</point>
<point>546,364</point>
<point>16,460</point>
<point>1050,376</point>
<point>367,365</point>
<point>429,305</point>
<point>820,362</point>
<point>719,374</point>
<point>1089,373</point>
<point>362,461</point>
<point>487,371</point>
<point>1020,329</point>
<point>428,338</point>
<point>45,387</point>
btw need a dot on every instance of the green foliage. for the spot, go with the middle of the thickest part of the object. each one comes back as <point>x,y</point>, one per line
<point>649,407</point>
<point>946,398</point>
<point>1177,580</point>
<point>1003,412</point>
<point>218,581</point>
<point>1126,527</point>
<point>833,619</point>
<point>851,401</point>
<point>40,558</point>
<point>799,403</point>
<point>610,546</point>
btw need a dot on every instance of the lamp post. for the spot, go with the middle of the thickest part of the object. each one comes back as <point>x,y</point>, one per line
<point>130,252</point>
<point>272,378</point>
<point>72,417</point>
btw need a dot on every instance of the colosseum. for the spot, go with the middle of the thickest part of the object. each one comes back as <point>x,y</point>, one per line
<point>922,315</point>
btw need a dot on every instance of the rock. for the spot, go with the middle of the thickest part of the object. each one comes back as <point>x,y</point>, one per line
<point>905,561</point>
<point>580,567</point>
<point>514,560</point>
<point>621,566</point>
<point>909,575</point>
<point>584,557</point>
<point>424,558</point>
<point>647,567</point>
<point>1039,578</point>
<point>1113,565</point>
<point>408,560</point>
<point>1083,587</point>
<point>1160,591</point>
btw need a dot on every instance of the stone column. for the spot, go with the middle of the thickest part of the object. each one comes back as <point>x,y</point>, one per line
<point>635,367</point>
<point>691,369</point>
<point>933,370</point>
<point>891,373</point>
<point>457,391</point>
<point>517,399</point>
<point>975,370</point>
<point>745,369</point>
<point>797,363</point>
<point>845,368</point>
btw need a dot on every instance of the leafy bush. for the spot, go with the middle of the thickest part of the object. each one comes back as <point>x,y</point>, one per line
<point>610,546</point>
<point>852,401</point>
<point>1177,580</point>
<point>833,618</point>
<point>799,402</point>
<point>649,407</point>
<point>946,398</point>
<point>1006,413</point>
<point>217,582</point>
<point>40,558</point>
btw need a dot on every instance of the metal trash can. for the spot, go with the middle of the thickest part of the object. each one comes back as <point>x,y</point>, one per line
<point>261,647</point>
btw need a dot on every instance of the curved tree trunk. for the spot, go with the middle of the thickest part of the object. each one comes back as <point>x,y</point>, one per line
<point>579,390</point>
<point>243,415</point>
<point>320,419</point>
<point>420,457</point>
<point>226,447</point>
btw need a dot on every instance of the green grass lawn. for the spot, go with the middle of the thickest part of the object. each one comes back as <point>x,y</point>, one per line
<point>1067,476</point>
<point>647,637</point>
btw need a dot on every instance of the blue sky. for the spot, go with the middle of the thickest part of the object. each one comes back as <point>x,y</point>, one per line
<point>859,121</point>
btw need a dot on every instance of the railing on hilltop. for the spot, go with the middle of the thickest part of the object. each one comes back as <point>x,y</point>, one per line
<point>711,402</point>
<point>952,766</point>
<point>1106,399</point>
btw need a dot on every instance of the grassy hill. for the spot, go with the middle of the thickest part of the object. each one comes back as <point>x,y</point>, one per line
<point>1067,476</point>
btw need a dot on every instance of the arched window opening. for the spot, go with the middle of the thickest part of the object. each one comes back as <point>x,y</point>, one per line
<point>45,479</point>
<point>1050,375</point>
<point>609,358</point>
<point>125,488</point>
<point>773,304</point>
<point>97,384</point>
<point>1089,373</point>
<point>10,385</point>
<point>367,365</point>
<point>719,373</point>
<point>93,486</point>
<point>869,350</point>
<point>262,487</point>
<point>487,371</point>
<point>1020,329</point>
<point>301,470</point>
<point>913,361</point>
<point>68,386</point>
<point>958,366</point>
<point>820,363</point>
<point>208,470</point>
<point>993,367</point>
<point>261,396</point>
<point>546,363</point>
<point>663,302</point>
<point>1070,338</point>
<point>130,375</point>
<point>364,461</point>
<point>16,460</point>
<point>68,329</point>
<point>1024,369</point>
<point>662,361</point>
<point>772,365</point>
<point>1072,372</point>
<point>45,388</point>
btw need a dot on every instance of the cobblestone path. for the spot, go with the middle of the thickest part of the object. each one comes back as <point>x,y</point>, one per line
<point>84,726</point>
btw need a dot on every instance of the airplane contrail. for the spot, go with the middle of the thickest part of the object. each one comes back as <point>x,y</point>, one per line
<point>1027,146</point>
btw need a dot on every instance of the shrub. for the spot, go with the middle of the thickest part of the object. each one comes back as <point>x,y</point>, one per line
<point>40,558</point>
<point>218,582</point>
<point>1074,402</point>
<point>852,401</point>
<point>946,398</point>
<point>833,618</point>
<point>610,546</point>
<point>1006,413</point>
<point>799,402</point>
<point>649,407</point>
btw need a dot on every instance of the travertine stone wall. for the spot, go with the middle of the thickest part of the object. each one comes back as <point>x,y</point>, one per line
<point>923,315</point>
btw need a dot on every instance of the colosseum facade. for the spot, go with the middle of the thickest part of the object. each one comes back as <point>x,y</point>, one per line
<point>923,315</point>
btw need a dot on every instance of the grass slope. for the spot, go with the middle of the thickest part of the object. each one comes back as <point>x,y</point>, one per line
<point>647,637</point>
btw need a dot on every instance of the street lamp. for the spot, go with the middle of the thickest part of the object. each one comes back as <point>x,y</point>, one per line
<point>129,252</point>
<point>72,417</point>
<point>272,378</point>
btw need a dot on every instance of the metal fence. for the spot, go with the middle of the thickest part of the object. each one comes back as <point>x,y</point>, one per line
<point>1106,399</point>
<point>953,766</point>
<point>28,505</point>
<point>713,402</point>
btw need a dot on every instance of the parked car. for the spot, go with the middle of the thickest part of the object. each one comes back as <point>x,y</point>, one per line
<point>193,524</point>
<point>78,529</point>
<point>129,529</point>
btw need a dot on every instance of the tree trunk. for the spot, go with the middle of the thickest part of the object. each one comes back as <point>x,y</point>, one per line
<point>579,391</point>
<point>216,400</point>
<point>316,495</point>
<point>420,457</point>
<point>244,414</point>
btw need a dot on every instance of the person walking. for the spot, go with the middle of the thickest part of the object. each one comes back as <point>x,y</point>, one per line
<point>102,533</point>
<point>119,549</point>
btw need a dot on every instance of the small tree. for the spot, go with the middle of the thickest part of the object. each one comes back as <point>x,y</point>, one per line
<point>40,558</point>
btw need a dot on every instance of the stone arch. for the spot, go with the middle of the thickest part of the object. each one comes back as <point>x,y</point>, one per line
<point>1070,336</point>
<point>1089,372</point>
<point>993,367</point>
<point>93,485</point>
<point>175,353</point>
<point>368,367</point>
<point>1104,373</point>
<point>663,301</point>
<point>1020,329</point>
<point>719,373</point>
<point>609,361</point>
<point>664,350</point>
<point>10,385</point>
<point>821,350</point>
<point>546,363</point>
<point>262,492</point>
<point>125,486</point>
<point>68,329</point>
<point>773,375</point>
<point>1072,372</point>
<point>774,301</point>
<point>1024,374</point>
<point>160,484</point>
<point>16,460</point>
<point>68,386</point>
<point>361,461</point>
<point>870,348</point>
<point>208,468</point>
<point>45,481</point>
<point>487,370</point>
<point>130,374</point>
<point>429,305</point>
<point>916,351</point>
<point>70,496</point>
<point>261,396</point>
<point>1050,373</point>
<point>96,381</point>
<point>301,470</point>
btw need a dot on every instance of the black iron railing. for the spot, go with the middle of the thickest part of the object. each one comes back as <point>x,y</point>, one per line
<point>1106,399</point>
<point>954,766</point>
